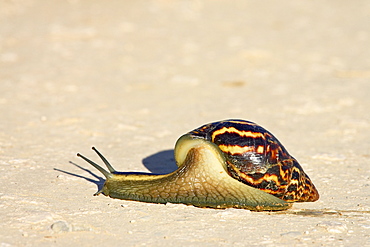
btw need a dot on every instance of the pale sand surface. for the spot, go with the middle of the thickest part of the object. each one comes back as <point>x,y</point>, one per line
<point>130,77</point>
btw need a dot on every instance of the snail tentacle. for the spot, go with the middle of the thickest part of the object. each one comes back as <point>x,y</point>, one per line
<point>101,169</point>
<point>106,162</point>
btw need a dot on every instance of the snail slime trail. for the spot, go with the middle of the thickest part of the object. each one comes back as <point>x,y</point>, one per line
<point>230,163</point>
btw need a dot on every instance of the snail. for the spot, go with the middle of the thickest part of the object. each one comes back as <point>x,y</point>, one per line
<point>230,163</point>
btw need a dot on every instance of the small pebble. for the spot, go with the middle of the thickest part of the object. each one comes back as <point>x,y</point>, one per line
<point>60,226</point>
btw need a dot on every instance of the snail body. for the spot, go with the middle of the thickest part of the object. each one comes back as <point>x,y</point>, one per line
<point>231,163</point>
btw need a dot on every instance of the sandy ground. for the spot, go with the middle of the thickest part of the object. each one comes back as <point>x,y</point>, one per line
<point>130,77</point>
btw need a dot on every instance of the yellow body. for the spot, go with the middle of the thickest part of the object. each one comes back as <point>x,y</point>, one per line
<point>201,180</point>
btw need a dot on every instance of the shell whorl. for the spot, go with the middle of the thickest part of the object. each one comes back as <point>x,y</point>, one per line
<point>255,157</point>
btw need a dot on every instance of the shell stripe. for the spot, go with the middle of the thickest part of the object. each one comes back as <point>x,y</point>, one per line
<point>241,133</point>
<point>240,150</point>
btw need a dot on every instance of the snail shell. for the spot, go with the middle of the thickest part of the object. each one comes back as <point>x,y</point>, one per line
<point>231,163</point>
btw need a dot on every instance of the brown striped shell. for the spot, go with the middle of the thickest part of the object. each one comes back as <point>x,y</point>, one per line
<point>255,157</point>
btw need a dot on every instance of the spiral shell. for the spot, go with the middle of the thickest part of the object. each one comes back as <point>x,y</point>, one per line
<point>255,157</point>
